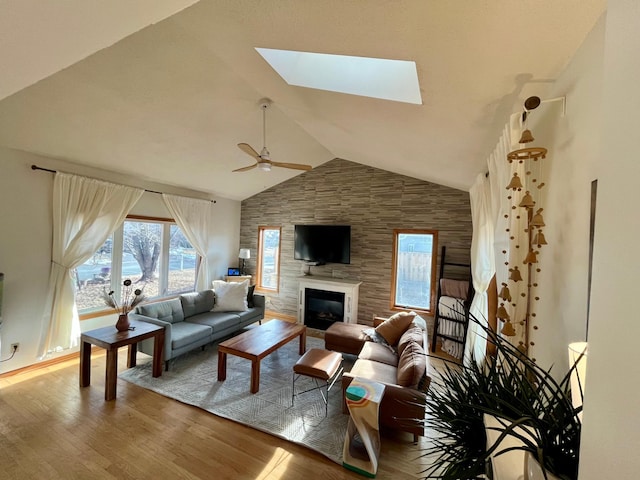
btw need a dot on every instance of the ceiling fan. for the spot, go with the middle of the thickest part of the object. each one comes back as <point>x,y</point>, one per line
<point>263,159</point>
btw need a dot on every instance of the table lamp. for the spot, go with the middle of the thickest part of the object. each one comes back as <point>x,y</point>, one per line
<point>578,357</point>
<point>244,255</point>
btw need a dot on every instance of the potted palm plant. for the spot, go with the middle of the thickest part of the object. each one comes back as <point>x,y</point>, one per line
<point>531,405</point>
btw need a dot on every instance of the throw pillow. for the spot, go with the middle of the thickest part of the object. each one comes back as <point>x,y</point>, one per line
<point>411,334</point>
<point>411,366</point>
<point>393,327</point>
<point>373,336</point>
<point>250,296</point>
<point>230,296</point>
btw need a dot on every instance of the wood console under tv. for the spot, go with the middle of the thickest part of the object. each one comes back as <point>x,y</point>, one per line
<point>350,288</point>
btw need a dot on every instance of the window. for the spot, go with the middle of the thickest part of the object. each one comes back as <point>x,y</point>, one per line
<point>153,253</point>
<point>268,258</point>
<point>414,269</point>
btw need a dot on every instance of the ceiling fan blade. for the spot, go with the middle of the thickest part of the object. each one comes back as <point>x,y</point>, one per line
<point>244,169</point>
<point>295,166</point>
<point>246,148</point>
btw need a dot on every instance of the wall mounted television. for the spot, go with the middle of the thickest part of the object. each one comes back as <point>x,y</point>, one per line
<point>322,243</point>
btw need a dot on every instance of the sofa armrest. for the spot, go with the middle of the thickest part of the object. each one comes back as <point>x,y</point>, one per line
<point>160,323</point>
<point>259,301</point>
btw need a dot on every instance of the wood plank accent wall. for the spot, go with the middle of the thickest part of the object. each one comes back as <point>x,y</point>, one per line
<point>374,202</point>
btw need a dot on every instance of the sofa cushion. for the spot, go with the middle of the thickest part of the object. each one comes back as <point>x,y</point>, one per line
<point>230,296</point>
<point>185,333</point>
<point>378,353</point>
<point>167,311</point>
<point>197,302</point>
<point>412,365</point>
<point>375,371</point>
<point>392,328</point>
<point>216,320</point>
<point>412,334</point>
<point>254,313</point>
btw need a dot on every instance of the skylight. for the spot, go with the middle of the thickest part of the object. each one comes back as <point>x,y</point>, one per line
<point>395,80</point>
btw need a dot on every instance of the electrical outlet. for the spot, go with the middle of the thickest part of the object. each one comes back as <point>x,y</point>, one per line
<point>15,347</point>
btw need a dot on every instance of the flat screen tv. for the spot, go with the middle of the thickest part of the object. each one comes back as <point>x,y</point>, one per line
<point>322,243</point>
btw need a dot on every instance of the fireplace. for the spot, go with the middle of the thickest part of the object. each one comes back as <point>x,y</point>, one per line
<point>339,290</point>
<point>322,308</point>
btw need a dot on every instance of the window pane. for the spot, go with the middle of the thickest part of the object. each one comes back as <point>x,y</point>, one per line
<point>269,257</point>
<point>413,270</point>
<point>182,263</point>
<point>141,255</point>
<point>92,276</point>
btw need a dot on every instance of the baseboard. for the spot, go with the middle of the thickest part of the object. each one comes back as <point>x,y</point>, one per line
<point>51,362</point>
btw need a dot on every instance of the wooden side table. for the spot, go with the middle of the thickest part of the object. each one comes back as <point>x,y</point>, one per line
<point>239,278</point>
<point>111,339</point>
<point>362,442</point>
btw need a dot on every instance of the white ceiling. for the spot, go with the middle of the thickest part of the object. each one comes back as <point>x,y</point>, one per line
<point>170,102</point>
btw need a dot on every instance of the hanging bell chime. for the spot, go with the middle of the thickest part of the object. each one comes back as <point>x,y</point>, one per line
<point>502,313</point>
<point>539,239</point>
<point>515,183</point>
<point>504,293</point>
<point>537,220</point>
<point>527,201</point>
<point>508,330</point>
<point>530,258</point>
<point>515,274</point>
<point>526,136</point>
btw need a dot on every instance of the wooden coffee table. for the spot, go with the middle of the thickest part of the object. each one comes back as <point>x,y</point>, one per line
<point>257,343</point>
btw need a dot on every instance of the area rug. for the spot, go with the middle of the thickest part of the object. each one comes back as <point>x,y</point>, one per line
<point>192,379</point>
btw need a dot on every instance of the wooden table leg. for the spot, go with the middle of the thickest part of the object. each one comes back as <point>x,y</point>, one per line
<point>111,375</point>
<point>303,342</point>
<point>255,376</point>
<point>85,364</point>
<point>222,366</point>
<point>131,355</point>
<point>158,357</point>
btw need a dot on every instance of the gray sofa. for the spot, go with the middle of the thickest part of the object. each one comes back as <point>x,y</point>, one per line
<point>189,322</point>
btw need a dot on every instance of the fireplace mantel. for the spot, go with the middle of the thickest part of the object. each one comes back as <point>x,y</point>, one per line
<point>350,288</point>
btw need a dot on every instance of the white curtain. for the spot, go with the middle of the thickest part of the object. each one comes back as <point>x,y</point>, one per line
<point>195,218</point>
<point>489,204</point>
<point>85,212</point>
<point>482,267</point>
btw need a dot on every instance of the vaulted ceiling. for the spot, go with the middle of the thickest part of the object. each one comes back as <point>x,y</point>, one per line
<point>163,92</point>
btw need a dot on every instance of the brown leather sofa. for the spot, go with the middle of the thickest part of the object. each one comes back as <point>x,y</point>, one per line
<point>406,382</point>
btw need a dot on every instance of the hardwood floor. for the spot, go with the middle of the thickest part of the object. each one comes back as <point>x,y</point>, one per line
<point>53,429</point>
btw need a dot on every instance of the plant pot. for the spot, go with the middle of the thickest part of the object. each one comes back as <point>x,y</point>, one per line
<point>533,470</point>
<point>123,323</point>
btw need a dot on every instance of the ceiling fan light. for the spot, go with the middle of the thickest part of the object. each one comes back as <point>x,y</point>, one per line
<point>264,166</point>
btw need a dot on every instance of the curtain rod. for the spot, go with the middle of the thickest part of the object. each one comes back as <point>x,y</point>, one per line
<point>35,167</point>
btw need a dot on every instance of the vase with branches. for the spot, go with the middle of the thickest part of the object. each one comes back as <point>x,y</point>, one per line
<point>130,298</point>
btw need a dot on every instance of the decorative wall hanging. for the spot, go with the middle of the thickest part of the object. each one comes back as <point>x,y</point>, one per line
<point>526,237</point>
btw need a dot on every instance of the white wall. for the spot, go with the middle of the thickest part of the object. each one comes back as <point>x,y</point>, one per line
<point>573,141</point>
<point>25,243</point>
<point>597,139</point>
<point>611,431</point>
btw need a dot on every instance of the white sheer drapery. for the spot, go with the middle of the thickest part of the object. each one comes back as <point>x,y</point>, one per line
<point>195,218</point>
<point>85,212</point>
<point>489,204</point>
<point>482,267</point>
